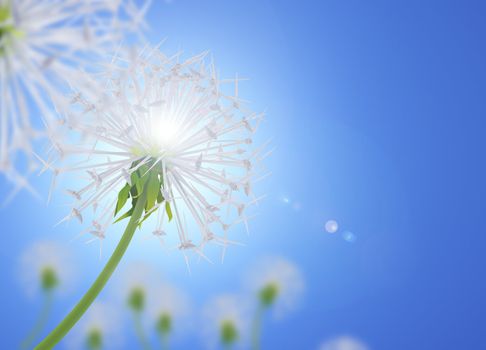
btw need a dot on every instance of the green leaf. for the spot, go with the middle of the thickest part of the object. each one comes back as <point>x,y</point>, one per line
<point>138,181</point>
<point>133,192</point>
<point>4,13</point>
<point>160,197</point>
<point>147,177</point>
<point>143,178</point>
<point>124,216</point>
<point>147,215</point>
<point>153,189</point>
<point>123,196</point>
<point>168,210</point>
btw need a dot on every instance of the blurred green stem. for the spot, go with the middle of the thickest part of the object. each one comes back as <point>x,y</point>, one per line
<point>257,327</point>
<point>40,322</point>
<point>164,341</point>
<point>73,317</point>
<point>137,318</point>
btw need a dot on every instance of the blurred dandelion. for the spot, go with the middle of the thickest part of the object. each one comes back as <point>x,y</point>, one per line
<point>101,328</point>
<point>43,47</point>
<point>168,310</point>
<point>343,343</point>
<point>46,265</point>
<point>278,284</point>
<point>45,268</point>
<point>225,321</point>
<point>137,286</point>
<point>163,134</point>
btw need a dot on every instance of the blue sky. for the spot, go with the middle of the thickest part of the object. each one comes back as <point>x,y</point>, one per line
<point>376,110</point>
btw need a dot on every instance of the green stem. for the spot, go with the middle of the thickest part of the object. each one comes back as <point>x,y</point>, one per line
<point>164,340</point>
<point>70,320</point>
<point>41,321</point>
<point>257,327</point>
<point>139,331</point>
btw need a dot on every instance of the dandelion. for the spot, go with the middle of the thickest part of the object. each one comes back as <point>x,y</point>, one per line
<point>99,329</point>
<point>136,290</point>
<point>278,284</point>
<point>145,293</point>
<point>46,268</point>
<point>343,343</point>
<point>164,136</point>
<point>225,321</point>
<point>169,308</point>
<point>43,46</point>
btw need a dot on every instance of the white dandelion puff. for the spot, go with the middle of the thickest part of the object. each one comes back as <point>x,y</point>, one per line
<point>156,129</point>
<point>100,328</point>
<point>45,268</point>
<point>277,283</point>
<point>136,276</point>
<point>169,310</point>
<point>225,321</point>
<point>46,264</point>
<point>44,46</point>
<point>136,290</point>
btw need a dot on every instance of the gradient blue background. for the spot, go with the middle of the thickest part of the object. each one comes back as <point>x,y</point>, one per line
<point>377,111</point>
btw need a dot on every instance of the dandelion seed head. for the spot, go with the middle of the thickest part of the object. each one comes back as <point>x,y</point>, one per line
<point>226,321</point>
<point>161,121</point>
<point>136,299</point>
<point>46,266</point>
<point>137,280</point>
<point>277,283</point>
<point>169,308</point>
<point>102,324</point>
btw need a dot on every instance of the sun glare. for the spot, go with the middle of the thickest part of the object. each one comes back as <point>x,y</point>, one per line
<point>164,133</point>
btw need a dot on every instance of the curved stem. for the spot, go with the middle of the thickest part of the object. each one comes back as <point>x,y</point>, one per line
<point>41,321</point>
<point>70,320</point>
<point>139,331</point>
<point>257,328</point>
